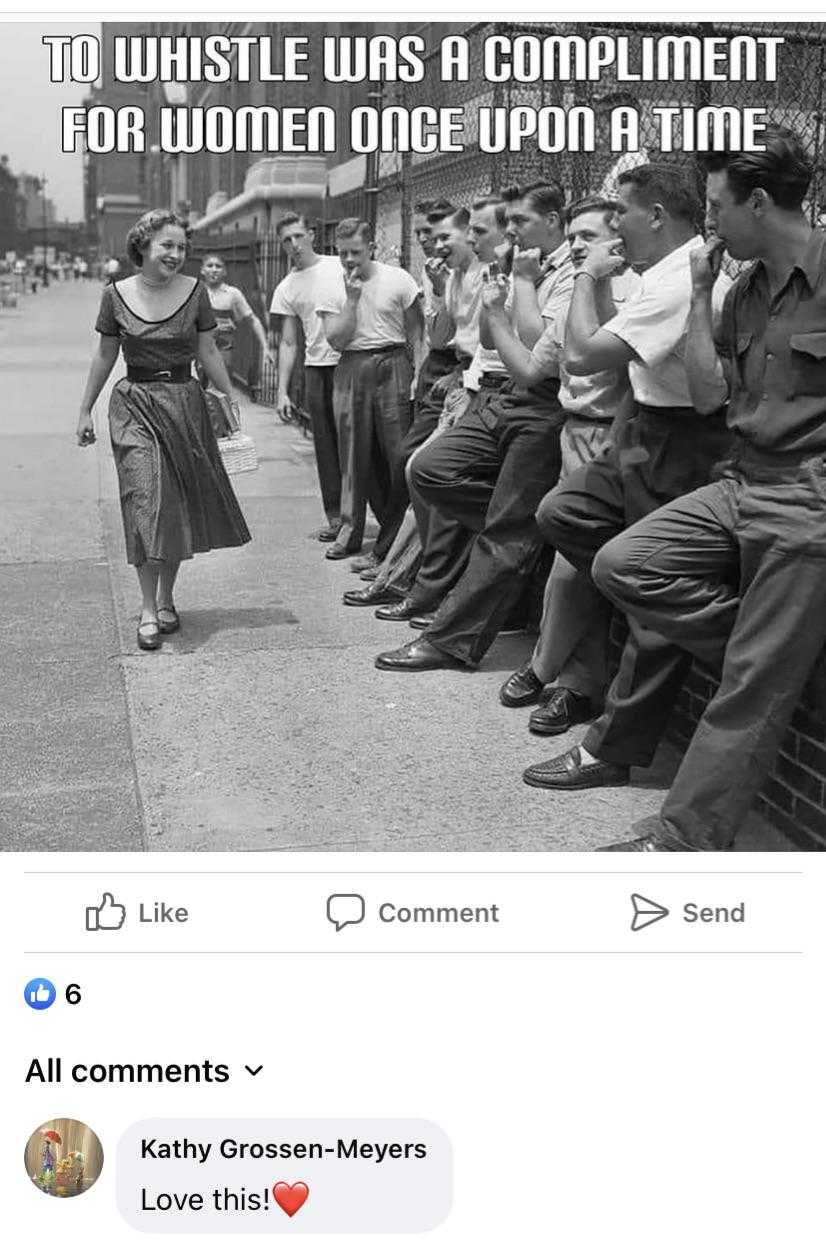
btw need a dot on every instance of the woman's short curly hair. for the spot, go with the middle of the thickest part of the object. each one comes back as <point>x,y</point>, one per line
<point>145,227</point>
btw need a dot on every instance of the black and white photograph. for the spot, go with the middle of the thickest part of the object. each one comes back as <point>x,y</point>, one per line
<point>413,436</point>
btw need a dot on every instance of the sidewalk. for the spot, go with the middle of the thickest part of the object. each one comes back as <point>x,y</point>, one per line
<point>263,724</point>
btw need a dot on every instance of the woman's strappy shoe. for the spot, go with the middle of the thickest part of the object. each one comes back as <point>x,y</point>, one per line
<point>149,635</point>
<point>171,623</point>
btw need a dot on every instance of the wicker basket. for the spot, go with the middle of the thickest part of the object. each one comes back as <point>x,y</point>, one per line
<point>237,449</point>
<point>238,453</point>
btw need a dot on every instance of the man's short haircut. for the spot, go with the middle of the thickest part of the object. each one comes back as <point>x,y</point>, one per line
<point>459,216</point>
<point>352,227</point>
<point>542,197</point>
<point>439,209</point>
<point>293,218</point>
<point>492,201</point>
<point>784,170</point>
<point>666,184</point>
<point>425,207</point>
<point>591,203</point>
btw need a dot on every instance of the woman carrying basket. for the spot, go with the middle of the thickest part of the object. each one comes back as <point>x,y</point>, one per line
<point>176,498</point>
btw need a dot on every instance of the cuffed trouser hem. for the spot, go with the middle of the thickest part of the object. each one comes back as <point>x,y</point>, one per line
<point>615,754</point>
<point>449,653</point>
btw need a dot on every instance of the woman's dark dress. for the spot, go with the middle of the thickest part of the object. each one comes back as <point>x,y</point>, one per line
<point>175,495</point>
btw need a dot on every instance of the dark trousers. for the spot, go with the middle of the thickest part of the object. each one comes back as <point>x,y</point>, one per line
<point>659,455</point>
<point>371,400</point>
<point>487,475</point>
<point>736,574</point>
<point>445,552</point>
<point>318,399</point>
<point>427,408</point>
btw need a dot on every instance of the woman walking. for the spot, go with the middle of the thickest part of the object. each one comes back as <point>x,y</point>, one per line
<point>176,498</point>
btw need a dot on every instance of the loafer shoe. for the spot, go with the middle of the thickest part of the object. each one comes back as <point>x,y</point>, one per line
<point>523,688</point>
<point>423,621</point>
<point>364,563</point>
<point>562,709</point>
<point>371,596</point>
<point>418,655</point>
<point>569,772</point>
<point>337,551</point>
<point>398,612</point>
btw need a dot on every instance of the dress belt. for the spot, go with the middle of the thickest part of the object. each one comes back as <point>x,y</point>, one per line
<point>177,376</point>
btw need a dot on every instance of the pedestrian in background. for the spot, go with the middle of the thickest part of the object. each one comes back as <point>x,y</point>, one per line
<point>231,309</point>
<point>176,498</point>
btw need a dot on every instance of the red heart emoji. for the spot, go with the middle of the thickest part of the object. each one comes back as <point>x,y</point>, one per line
<point>291,1198</point>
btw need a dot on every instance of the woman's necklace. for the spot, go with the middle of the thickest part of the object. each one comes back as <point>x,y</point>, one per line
<point>153,285</point>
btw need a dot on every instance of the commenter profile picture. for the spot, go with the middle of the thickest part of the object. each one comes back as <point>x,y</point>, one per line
<point>64,1157</point>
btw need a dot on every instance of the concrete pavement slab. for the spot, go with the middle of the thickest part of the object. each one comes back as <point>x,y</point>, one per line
<point>91,819</point>
<point>47,469</point>
<point>50,532</point>
<point>73,750</point>
<point>318,758</point>
<point>67,684</point>
<point>55,609</point>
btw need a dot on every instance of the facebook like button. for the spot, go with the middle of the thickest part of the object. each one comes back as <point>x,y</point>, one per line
<point>40,994</point>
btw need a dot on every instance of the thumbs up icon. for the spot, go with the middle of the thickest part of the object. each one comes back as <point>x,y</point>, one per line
<point>107,916</point>
<point>40,994</point>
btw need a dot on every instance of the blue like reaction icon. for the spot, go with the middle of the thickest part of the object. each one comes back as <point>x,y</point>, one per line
<point>40,994</point>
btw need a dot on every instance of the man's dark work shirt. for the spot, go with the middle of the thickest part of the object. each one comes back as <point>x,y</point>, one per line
<point>777,349</point>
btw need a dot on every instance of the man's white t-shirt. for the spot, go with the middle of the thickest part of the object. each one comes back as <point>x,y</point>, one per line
<point>300,293</point>
<point>385,297</point>
<point>654,324</point>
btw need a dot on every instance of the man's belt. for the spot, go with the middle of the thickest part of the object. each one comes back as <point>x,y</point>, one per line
<point>177,376</point>
<point>376,350</point>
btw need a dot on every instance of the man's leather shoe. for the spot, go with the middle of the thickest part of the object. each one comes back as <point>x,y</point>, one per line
<point>559,712</point>
<point>365,563</point>
<point>328,533</point>
<point>371,596</point>
<point>642,844</point>
<point>337,551</point>
<point>523,688</point>
<point>569,772</point>
<point>421,622</point>
<point>398,612</point>
<point>418,655</point>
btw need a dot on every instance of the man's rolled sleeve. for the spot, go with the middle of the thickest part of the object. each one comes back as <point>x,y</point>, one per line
<point>652,328</point>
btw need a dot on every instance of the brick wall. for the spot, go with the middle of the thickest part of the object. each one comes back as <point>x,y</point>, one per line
<point>793,799</point>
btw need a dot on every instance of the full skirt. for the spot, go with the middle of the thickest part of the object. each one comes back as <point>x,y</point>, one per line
<point>176,498</point>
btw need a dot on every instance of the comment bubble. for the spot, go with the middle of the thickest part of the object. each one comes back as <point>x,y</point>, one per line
<point>345,909</point>
<point>322,1176</point>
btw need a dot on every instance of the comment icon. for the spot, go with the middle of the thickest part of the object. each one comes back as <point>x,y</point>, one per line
<point>345,909</point>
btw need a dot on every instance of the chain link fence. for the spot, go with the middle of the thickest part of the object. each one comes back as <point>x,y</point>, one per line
<point>395,182</point>
<point>796,100</point>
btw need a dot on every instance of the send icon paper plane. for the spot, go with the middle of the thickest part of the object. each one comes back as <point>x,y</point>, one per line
<point>646,912</point>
